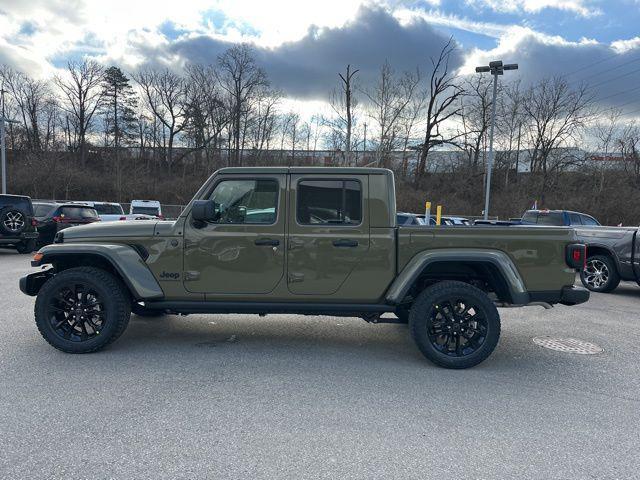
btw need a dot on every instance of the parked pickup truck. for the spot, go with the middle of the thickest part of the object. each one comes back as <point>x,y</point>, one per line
<point>313,241</point>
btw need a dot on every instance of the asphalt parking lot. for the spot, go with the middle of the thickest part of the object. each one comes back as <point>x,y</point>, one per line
<point>301,397</point>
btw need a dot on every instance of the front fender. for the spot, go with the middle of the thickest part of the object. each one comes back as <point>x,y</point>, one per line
<point>421,262</point>
<point>124,259</point>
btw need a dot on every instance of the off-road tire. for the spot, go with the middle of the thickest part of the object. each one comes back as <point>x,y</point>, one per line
<point>421,321</point>
<point>26,246</point>
<point>141,311</point>
<point>113,294</point>
<point>8,221</point>
<point>613,277</point>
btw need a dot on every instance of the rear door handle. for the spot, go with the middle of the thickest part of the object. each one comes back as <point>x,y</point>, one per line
<point>267,242</point>
<point>345,242</point>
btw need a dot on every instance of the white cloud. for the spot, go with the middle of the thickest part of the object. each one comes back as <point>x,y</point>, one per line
<point>581,7</point>
<point>437,18</point>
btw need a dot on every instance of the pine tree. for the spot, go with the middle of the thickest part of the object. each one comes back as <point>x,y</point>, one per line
<point>120,117</point>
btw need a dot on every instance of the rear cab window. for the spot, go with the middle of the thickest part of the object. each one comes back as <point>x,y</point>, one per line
<point>551,219</point>
<point>530,217</point>
<point>555,219</point>
<point>329,202</point>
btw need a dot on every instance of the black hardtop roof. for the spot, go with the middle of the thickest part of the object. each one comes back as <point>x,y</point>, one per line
<point>22,197</point>
<point>545,210</point>
<point>312,170</point>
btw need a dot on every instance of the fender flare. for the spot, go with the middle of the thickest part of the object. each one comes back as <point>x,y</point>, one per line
<point>421,261</point>
<point>124,259</point>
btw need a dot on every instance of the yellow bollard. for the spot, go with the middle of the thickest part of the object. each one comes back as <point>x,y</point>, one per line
<point>438,214</point>
<point>427,213</point>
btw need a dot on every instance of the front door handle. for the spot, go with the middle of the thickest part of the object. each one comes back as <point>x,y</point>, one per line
<point>345,242</point>
<point>267,242</point>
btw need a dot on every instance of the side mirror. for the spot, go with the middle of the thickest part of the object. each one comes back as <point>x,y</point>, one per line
<point>204,211</point>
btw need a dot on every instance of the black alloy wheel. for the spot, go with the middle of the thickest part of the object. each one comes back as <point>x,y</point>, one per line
<point>82,309</point>
<point>454,324</point>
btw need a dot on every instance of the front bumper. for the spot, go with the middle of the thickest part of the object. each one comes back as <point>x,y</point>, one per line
<point>31,284</point>
<point>574,295</point>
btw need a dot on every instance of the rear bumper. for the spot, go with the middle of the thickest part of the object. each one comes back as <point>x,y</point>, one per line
<point>23,237</point>
<point>574,295</point>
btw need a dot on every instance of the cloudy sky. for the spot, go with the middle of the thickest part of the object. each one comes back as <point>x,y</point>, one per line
<point>302,44</point>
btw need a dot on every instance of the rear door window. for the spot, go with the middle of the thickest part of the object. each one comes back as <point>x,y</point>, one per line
<point>330,202</point>
<point>587,220</point>
<point>575,219</point>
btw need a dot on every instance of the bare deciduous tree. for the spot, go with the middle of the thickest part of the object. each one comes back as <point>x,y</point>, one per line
<point>441,105</point>
<point>389,99</point>
<point>242,79</point>
<point>83,93</point>
<point>165,94</point>
<point>343,104</point>
<point>555,115</point>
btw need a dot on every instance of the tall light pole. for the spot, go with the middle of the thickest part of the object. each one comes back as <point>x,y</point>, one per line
<point>3,146</point>
<point>495,68</point>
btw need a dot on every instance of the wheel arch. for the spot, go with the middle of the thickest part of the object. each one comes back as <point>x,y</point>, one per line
<point>122,261</point>
<point>599,249</point>
<point>491,266</point>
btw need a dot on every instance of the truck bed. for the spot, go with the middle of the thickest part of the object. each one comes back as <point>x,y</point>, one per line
<point>536,251</point>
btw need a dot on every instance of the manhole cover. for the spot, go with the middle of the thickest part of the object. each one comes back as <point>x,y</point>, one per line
<point>568,345</point>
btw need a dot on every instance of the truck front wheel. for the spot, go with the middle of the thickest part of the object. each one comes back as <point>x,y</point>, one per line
<point>454,324</point>
<point>82,309</point>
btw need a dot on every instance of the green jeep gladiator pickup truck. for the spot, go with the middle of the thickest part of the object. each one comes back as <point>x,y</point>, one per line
<point>312,241</point>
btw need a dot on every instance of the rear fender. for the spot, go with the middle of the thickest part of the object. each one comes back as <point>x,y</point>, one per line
<point>421,262</point>
<point>125,261</point>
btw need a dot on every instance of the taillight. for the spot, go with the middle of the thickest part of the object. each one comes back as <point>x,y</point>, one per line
<point>576,256</point>
<point>34,222</point>
<point>123,218</point>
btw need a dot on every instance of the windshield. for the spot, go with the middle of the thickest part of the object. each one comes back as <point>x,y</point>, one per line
<point>145,210</point>
<point>41,209</point>
<point>108,209</point>
<point>79,212</point>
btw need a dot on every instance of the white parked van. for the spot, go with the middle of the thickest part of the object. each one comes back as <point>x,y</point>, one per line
<point>146,207</point>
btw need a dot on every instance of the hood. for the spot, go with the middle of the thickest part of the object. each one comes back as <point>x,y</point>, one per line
<point>122,228</point>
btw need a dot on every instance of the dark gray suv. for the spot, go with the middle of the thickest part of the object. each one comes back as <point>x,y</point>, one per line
<point>17,225</point>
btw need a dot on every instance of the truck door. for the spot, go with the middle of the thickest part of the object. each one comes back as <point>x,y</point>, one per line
<point>328,231</point>
<point>243,250</point>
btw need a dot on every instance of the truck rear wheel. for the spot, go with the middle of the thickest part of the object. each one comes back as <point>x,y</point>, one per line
<point>600,274</point>
<point>82,310</point>
<point>454,324</point>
